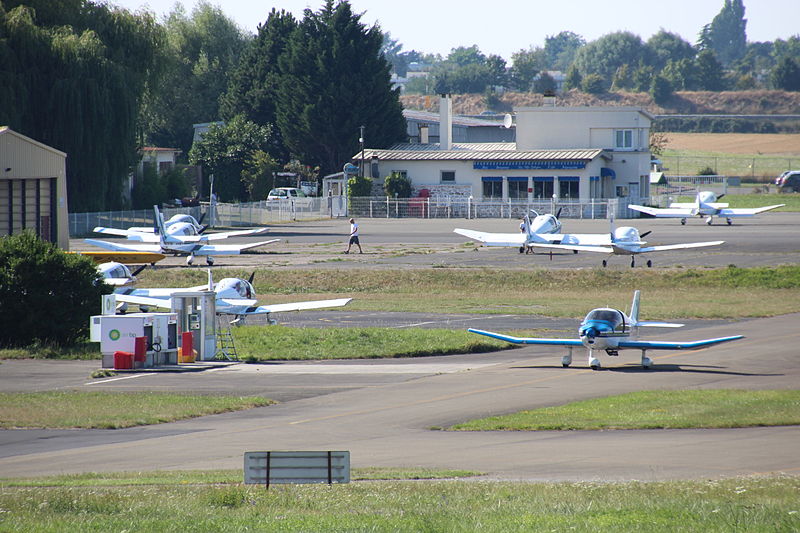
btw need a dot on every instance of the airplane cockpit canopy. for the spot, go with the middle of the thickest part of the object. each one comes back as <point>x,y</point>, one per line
<point>115,270</point>
<point>182,228</point>
<point>626,234</point>
<point>613,317</point>
<point>239,286</point>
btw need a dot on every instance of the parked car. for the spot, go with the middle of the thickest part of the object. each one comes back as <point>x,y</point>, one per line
<point>789,181</point>
<point>285,193</point>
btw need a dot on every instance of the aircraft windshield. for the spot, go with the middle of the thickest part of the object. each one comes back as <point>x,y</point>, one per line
<point>611,316</point>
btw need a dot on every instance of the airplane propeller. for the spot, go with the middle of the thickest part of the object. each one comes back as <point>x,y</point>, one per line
<point>558,213</point>
<point>252,276</point>
<point>645,234</point>
<point>720,196</point>
<point>135,272</point>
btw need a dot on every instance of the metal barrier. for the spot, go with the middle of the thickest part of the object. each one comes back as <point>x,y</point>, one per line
<point>266,468</point>
<point>279,211</point>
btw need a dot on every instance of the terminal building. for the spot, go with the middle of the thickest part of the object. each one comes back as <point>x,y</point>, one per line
<point>576,154</point>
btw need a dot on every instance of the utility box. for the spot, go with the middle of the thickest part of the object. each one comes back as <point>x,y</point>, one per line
<point>117,333</point>
<point>196,312</point>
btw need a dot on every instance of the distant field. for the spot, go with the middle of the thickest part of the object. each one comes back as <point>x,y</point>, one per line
<point>736,143</point>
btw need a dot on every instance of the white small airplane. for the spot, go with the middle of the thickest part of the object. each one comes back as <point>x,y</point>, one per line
<point>624,240</point>
<point>117,274</point>
<point>541,224</point>
<point>612,330</point>
<point>181,238</point>
<point>705,205</point>
<point>234,296</point>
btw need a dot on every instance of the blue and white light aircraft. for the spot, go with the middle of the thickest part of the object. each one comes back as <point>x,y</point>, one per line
<point>541,224</point>
<point>611,330</point>
<point>705,205</point>
<point>180,238</point>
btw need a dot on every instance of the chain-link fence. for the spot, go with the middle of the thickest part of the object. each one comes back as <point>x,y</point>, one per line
<point>278,211</point>
<point>760,169</point>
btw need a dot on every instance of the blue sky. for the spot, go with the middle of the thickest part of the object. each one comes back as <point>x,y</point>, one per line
<point>503,27</point>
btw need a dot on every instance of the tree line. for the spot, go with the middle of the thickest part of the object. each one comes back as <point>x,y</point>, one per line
<point>99,82</point>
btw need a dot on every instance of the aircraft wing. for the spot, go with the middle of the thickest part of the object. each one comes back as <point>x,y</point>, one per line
<point>237,307</point>
<point>494,239</point>
<point>527,340</point>
<point>577,247</point>
<point>226,234</point>
<point>144,300</point>
<point>668,212</point>
<point>655,345</point>
<point>128,233</point>
<point>228,249</point>
<point>665,247</point>
<point>128,258</point>
<point>119,247</point>
<point>746,211</point>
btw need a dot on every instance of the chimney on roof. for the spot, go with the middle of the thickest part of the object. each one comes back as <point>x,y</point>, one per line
<point>423,134</point>
<point>549,99</point>
<point>445,122</point>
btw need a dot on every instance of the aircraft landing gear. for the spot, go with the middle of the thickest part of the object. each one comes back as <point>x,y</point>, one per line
<point>649,264</point>
<point>683,222</point>
<point>646,361</point>
<point>575,252</point>
<point>594,363</point>
<point>190,260</point>
<point>633,261</point>
<point>729,221</point>
<point>605,263</point>
<point>708,222</point>
<point>567,359</point>
<point>522,249</point>
<point>209,260</point>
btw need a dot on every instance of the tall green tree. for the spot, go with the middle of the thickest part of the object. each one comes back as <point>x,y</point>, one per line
<point>726,34</point>
<point>560,49</point>
<point>710,74</point>
<point>665,46</point>
<point>334,79</point>
<point>236,154</point>
<point>525,65</point>
<point>786,75</point>
<point>72,75</point>
<point>200,51</point>
<point>605,55</point>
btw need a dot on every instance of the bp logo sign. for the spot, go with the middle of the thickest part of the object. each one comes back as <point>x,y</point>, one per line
<point>114,335</point>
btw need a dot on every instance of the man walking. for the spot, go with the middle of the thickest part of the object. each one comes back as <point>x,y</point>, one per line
<point>353,237</point>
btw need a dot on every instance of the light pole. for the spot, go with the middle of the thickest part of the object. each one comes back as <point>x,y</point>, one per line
<point>361,140</point>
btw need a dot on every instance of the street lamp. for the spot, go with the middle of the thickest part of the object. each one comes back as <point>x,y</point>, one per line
<point>361,140</point>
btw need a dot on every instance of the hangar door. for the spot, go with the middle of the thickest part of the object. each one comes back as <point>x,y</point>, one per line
<point>29,204</point>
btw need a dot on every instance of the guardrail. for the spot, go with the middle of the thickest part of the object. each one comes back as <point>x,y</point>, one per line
<point>267,468</point>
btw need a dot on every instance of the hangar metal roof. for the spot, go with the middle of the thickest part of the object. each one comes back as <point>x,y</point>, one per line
<point>476,152</point>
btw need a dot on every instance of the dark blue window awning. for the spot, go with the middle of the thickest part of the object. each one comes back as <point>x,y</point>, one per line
<point>606,172</point>
<point>492,178</point>
<point>546,179</point>
<point>517,178</point>
<point>569,178</point>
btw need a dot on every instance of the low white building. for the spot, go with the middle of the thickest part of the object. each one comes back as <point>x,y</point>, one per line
<point>574,153</point>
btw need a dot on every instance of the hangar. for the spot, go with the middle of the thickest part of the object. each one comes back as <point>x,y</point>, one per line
<point>577,154</point>
<point>33,188</point>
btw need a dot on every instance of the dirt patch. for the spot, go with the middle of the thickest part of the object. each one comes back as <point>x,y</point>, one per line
<point>736,143</point>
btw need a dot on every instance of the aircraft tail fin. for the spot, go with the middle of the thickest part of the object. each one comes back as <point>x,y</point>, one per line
<point>161,229</point>
<point>527,223</point>
<point>635,308</point>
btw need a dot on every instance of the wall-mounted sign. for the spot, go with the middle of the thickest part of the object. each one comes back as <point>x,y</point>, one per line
<point>527,165</point>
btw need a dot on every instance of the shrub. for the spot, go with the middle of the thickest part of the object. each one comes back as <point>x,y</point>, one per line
<point>46,295</point>
<point>397,185</point>
<point>359,187</point>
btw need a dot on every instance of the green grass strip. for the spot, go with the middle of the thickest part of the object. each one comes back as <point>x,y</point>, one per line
<point>740,504</point>
<point>214,477</point>
<point>104,410</point>
<point>259,343</point>
<point>655,410</point>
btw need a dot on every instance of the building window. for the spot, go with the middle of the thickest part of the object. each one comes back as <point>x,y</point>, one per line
<point>568,187</point>
<point>543,188</point>
<point>401,173</point>
<point>623,139</point>
<point>518,188</point>
<point>492,188</point>
<point>448,176</point>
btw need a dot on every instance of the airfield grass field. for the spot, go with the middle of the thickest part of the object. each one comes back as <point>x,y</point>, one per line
<point>189,504</point>
<point>713,408</point>
<point>103,410</point>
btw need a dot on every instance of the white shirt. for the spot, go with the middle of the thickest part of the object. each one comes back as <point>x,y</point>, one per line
<point>354,229</point>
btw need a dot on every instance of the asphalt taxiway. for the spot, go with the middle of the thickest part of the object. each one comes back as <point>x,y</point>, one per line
<point>394,412</point>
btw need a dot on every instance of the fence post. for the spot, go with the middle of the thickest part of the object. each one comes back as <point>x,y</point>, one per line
<point>469,208</point>
<point>387,207</point>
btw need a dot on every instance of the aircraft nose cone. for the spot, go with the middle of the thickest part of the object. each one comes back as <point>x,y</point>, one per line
<point>589,333</point>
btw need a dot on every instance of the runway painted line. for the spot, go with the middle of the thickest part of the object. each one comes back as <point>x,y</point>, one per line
<point>414,368</point>
<point>116,379</point>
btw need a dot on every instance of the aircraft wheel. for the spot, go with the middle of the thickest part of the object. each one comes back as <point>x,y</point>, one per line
<point>729,221</point>
<point>633,262</point>
<point>522,249</point>
<point>595,364</point>
<point>209,260</point>
<point>683,222</point>
<point>575,252</point>
<point>189,260</point>
<point>708,222</point>
<point>647,363</point>
<point>605,263</point>
<point>649,264</point>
